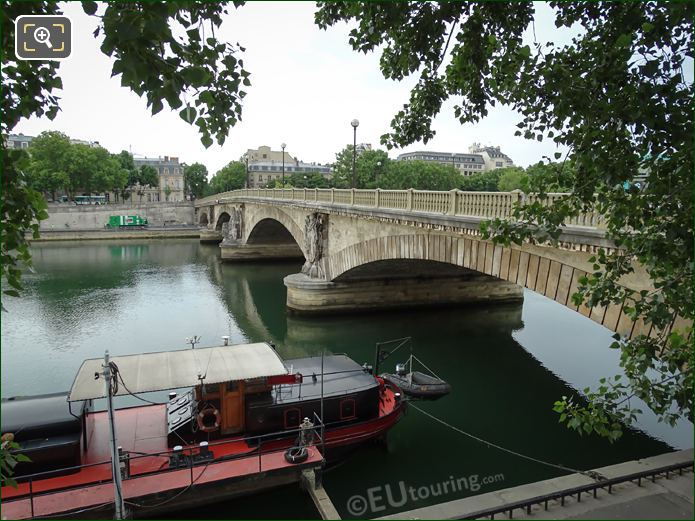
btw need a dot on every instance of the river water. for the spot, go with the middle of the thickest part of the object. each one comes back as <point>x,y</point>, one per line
<point>507,365</point>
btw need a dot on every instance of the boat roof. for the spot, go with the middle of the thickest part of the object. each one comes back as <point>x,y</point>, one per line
<point>166,370</point>
<point>342,375</point>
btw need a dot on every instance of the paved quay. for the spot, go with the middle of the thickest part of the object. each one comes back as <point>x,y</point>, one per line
<point>665,498</point>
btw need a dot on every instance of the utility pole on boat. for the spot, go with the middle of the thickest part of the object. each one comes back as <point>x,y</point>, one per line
<point>323,431</point>
<point>115,459</point>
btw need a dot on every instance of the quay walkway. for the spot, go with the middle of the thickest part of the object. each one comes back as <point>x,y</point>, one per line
<point>659,487</point>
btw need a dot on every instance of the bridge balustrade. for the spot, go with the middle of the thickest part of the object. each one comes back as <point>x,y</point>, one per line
<point>454,202</point>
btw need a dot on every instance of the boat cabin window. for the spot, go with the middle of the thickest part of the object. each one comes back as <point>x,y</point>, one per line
<point>347,409</point>
<point>292,418</point>
<point>232,387</point>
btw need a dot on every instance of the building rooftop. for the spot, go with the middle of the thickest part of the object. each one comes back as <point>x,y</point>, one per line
<point>165,159</point>
<point>441,156</point>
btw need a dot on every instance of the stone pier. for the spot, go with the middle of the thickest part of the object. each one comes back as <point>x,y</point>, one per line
<point>313,296</point>
<point>239,251</point>
<point>213,236</point>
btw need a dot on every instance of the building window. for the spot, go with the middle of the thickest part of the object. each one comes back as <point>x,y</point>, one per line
<point>265,156</point>
<point>498,164</point>
<point>25,144</point>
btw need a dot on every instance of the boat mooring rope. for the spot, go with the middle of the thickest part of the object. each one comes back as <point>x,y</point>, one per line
<point>590,473</point>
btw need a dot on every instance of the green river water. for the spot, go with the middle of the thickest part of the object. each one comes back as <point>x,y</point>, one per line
<point>507,365</point>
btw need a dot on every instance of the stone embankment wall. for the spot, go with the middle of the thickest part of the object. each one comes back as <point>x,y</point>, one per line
<point>92,217</point>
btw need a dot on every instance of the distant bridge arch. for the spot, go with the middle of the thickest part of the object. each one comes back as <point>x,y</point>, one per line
<point>223,218</point>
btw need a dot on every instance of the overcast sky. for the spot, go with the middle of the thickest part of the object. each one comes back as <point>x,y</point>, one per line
<point>307,85</point>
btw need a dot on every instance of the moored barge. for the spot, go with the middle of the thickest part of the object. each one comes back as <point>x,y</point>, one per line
<point>242,420</point>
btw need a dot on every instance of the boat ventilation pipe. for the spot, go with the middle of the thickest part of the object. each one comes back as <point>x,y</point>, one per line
<point>204,449</point>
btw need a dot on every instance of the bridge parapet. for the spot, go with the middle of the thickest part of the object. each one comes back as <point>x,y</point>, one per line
<point>454,202</point>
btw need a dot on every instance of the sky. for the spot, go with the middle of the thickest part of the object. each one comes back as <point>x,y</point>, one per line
<point>307,85</point>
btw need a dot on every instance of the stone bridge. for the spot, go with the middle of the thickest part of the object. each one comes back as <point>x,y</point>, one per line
<point>374,249</point>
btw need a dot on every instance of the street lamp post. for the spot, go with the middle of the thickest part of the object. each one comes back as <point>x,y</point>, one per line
<point>355,123</point>
<point>246,157</point>
<point>376,174</point>
<point>283,164</point>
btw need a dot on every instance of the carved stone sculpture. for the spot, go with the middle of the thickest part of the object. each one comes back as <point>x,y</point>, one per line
<point>316,242</point>
<point>233,230</point>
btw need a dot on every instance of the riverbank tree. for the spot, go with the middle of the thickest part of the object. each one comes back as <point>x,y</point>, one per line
<point>230,177</point>
<point>195,178</point>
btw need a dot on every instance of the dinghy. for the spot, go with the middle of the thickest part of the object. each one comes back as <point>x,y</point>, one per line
<point>415,384</point>
<point>419,385</point>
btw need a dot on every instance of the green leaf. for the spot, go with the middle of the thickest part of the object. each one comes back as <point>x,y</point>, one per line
<point>206,141</point>
<point>196,76</point>
<point>157,106</point>
<point>188,114</point>
<point>89,7</point>
<point>624,40</point>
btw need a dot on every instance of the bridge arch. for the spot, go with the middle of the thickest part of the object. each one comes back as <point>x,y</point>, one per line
<point>548,274</point>
<point>223,218</point>
<point>269,231</point>
<point>414,247</point>
<point>399,268</point>
<point>268,223</point>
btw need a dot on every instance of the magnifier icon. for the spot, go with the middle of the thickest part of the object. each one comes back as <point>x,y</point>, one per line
<point>43,35</point>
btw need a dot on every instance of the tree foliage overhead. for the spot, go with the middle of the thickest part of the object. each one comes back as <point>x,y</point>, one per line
<point>617,97</point>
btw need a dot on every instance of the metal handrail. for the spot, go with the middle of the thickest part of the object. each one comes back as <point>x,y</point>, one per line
<point>527,504</point>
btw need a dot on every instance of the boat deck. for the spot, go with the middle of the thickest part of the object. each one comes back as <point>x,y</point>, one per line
<point>138,430</point>
<point>149,485</point>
